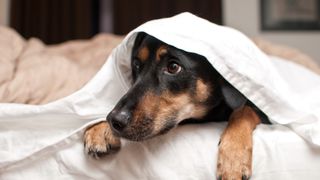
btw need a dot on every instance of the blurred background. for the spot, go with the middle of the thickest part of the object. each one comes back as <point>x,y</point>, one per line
<point>295,23</point>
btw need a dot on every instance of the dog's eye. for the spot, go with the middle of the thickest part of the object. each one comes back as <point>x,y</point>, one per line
<point>173,68</point>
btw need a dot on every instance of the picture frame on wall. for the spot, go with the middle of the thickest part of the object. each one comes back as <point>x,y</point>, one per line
<point>290,15</point>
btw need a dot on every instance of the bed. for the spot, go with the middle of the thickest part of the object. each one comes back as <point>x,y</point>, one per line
<point>37,74</point>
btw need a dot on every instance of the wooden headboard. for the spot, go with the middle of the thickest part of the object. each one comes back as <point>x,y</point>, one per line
<point>55,21</point>
<point>128,14</point>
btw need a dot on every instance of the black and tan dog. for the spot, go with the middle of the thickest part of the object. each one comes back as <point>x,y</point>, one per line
<point>172,87</point>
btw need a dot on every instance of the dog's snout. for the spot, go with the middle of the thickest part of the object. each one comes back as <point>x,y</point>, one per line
<point>119,120</point>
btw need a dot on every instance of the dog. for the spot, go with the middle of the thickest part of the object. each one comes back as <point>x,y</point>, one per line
<point>173,87</point>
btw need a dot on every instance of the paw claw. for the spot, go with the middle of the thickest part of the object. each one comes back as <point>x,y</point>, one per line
<point>245,177</point>
<point>99,153</point>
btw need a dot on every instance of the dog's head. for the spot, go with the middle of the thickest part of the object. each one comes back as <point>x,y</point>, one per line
<point>169,86</point>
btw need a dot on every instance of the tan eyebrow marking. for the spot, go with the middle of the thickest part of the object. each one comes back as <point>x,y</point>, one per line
<point>143,53</point>
<point>162,50</point>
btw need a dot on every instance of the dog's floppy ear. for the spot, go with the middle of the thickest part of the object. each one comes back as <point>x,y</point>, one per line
<point>232,96</point>
<point>139,39</point>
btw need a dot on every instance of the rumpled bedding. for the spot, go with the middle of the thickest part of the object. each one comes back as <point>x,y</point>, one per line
<point>33,73</point>
<point>45,141</point>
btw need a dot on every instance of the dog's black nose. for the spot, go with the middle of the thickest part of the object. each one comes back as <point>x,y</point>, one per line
<point>119,120</point>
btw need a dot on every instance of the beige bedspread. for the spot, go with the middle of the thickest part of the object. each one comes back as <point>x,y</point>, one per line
<point>34,73</point>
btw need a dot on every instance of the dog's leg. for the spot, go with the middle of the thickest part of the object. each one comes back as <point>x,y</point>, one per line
<point>235,148</point>
<point>99,140</point>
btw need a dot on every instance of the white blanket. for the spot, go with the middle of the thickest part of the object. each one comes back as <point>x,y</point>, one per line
<point>45,142</point>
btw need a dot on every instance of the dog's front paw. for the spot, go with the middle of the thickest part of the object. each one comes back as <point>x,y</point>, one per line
<point>99,140</point>
<point>234,161</point>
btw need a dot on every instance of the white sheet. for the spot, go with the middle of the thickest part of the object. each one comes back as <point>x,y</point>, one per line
<point>45,142</point>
